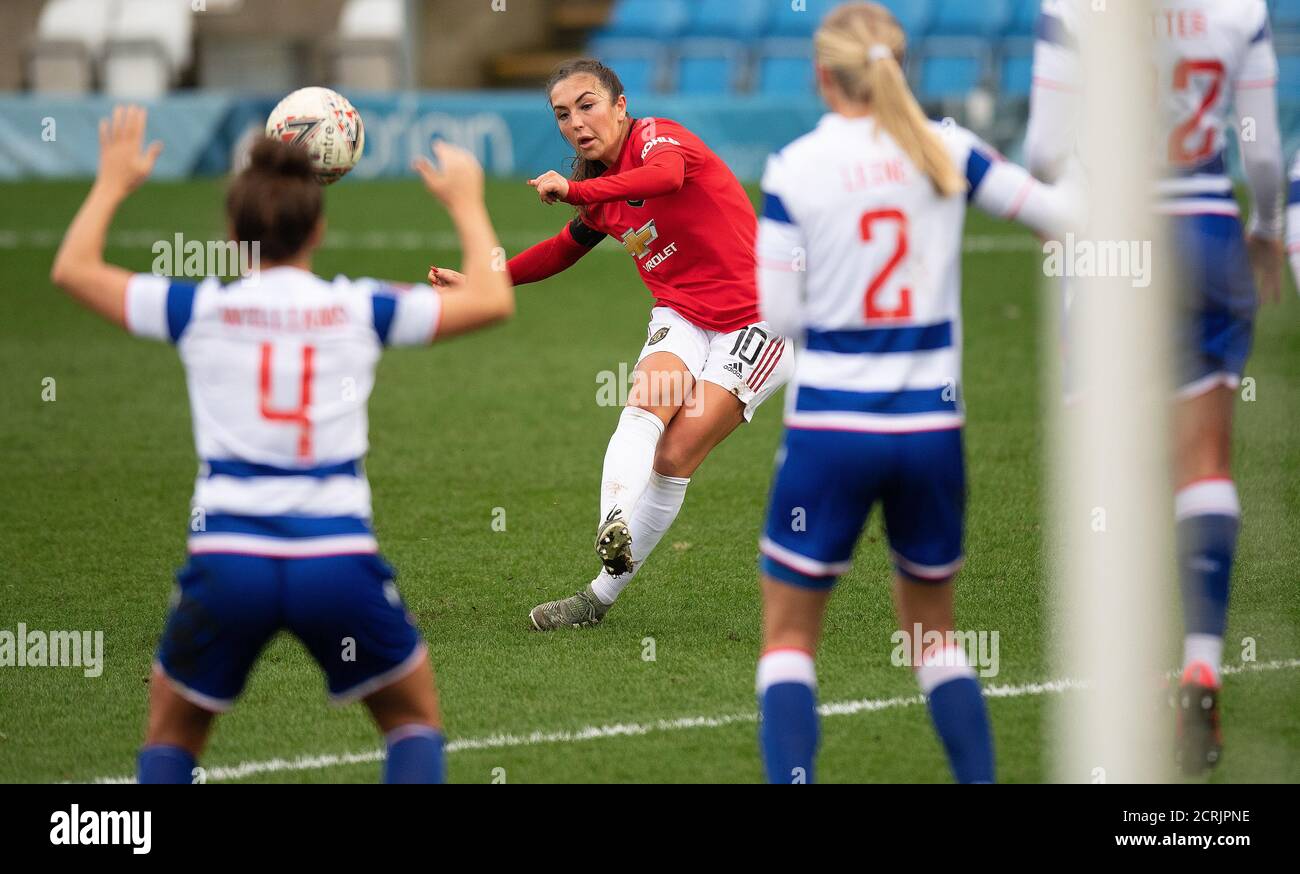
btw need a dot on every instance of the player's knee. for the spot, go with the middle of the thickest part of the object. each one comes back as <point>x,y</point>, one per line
<point>1203,458</point>
<point>663,414</point>
<point>790,632</point>
<point>927,602</point>
<point>675,457</point>
<point>936,582</point>
<point>657,390</point>
<point>411,700</point>
<point>175,721</point>
<point>411,710</point>
<point>791,619</point>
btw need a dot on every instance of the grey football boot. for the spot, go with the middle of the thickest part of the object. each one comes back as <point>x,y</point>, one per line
<point>576,611</point>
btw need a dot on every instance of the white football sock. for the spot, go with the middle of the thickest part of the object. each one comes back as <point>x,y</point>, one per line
<point>651,518</point>
<point>629,460</point>
<point>938,666</point>
<point>1206,648</point>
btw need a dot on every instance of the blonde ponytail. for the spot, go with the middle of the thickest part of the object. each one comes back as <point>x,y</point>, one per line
<point>861,45</point>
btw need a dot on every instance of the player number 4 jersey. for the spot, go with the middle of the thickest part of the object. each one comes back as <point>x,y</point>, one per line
<point>279,368</point>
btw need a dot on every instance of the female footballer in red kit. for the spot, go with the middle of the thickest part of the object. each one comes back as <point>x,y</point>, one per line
<point>708,361</point>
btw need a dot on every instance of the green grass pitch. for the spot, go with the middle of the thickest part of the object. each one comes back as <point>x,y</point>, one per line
<point>96,487</point>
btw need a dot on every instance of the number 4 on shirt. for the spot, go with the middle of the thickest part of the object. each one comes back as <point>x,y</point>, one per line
<point>299,416</point>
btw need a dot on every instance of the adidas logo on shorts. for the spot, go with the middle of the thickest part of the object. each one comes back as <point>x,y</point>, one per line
<point>735,368</point>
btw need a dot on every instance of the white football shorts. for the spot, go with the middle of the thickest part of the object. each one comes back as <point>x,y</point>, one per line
<point>751,363</point>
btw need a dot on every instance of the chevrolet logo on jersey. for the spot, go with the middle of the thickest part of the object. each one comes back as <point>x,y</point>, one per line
<point>638,242</point>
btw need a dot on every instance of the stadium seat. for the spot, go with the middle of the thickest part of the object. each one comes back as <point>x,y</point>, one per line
<point>950,68</point>
<point>709,66</point>
<point>988,18</point>
<point>69,38</point>
<point>640,63</point>
<point>785,67</point>
<point>1024,16</point>
<point>913,16</point>
<point>728,19</point>
<point>149,44</point>
<point>646,19</point>
<point>786,21</point>
<point>369,53</point>
<point>1016,67</point>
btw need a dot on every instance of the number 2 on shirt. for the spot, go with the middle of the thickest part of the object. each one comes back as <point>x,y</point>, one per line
<point>1181,153</point>
<point>297,416</point>
<point>874,310</point>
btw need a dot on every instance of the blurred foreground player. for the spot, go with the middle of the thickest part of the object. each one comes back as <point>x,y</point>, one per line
<point>280,365</point>
<point>1214,67</point>
<point>876,197</point>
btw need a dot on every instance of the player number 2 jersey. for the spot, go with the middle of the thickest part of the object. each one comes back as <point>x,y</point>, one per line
<point>860,259</point>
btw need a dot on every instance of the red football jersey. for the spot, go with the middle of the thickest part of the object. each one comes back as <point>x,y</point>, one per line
<point>693,247</point>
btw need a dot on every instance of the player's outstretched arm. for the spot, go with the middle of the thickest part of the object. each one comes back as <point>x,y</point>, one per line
<point>539,261</point>
<point>664,172</point>
<point>1052,130</point>
<point>124,163</point>
<point>1007,191</point>
<point>486,296</point>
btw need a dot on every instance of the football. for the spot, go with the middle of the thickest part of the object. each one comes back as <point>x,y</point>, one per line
<point>326,124</point>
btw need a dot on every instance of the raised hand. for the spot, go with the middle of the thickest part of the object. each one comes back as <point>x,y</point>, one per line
<point>457,180</point>
<point>124,163</point>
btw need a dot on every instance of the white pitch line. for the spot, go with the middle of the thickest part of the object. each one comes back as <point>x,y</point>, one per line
<point>637,729</point>
<point>422,241</point>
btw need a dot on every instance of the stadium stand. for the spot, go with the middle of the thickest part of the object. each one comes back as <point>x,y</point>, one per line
<point>371,50</point>
<point>1285,17</point>
<point>785,66</point>
<point>1016,68</point>
<point>963,55</point>
<point>640,62</point>
<point>67,47</point>
<point>709,66</point>
<point>150,43</point>
<point>647,19</point>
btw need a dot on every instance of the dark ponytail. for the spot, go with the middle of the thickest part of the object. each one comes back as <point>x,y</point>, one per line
<point>275,201</point>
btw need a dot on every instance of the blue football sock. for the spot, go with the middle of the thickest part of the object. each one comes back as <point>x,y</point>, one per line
<point>787,703</point>
<point>1206,544</point>
<point>414,755</point>
<point>164,763</point>
<point>957,709</point>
